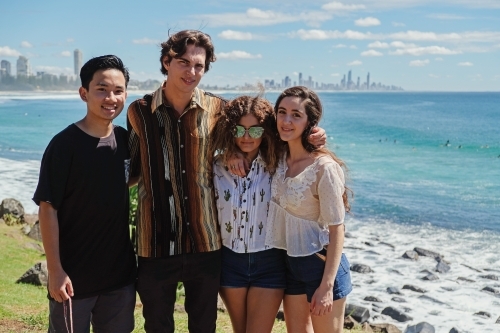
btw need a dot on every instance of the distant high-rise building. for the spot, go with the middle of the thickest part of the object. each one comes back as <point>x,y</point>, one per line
<point>6,66</point>
<point>349,80</point>
<point>288,82</point>
<point>357,86</point>
<point>368,81</point>
<point>300,80</point>
<point>23,66</point>
<point>342,83</point>
<point>78,55</point>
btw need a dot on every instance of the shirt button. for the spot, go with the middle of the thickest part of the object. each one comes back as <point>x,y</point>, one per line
<point>248,178</point>
<point>241,239</point>
<point>187,223</point>
<point>242,226</point>
<point>185,198</point>
<point>183,171</point>
<point>182,146</point>
<point>179,121</point>
<point>244,201</point>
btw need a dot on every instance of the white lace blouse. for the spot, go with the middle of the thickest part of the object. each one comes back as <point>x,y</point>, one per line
<point>302,207</point>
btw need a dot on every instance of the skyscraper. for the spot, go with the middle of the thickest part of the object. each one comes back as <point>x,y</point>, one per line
<point>78,61</point>
<point>300,80</point>
<point>349,80</point>
<point>23,66</point>
<point>368,81</point>
<point>6,66</point>
<point>357,86</point>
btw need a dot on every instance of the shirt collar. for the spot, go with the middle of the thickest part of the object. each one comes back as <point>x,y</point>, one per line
<point>197,100</point>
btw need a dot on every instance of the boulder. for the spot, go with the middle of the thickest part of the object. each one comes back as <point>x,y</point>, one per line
<point>396,314</point>
<point>398,299</point>
<point>490,277</point>
<point>433,300</point>
<point>385,328</point>
<point>366,328</point>
<point>430,277</point>
<point>442,267</point>
<point>369,244</point>
<point>30,218</point>
<point>360,268</point>
<point>35,232</point>
<point>350,323</point>
<point>395,271</point>
<point>25,229</point>
<point>220,304</point>
<point>498,321</point>
<point>11,206</point>
<point>36,275</point>
<point>414,288</point>
<point>412,255</point>
<point>349,235</point>
<point>454,330</point>
<point>427,253</point>
<point>372,299</point>
<point>483,314</point>
<point>393,291</point>
<point>490,290</point>
<point>359,313</point>
<point>465,279</point>
<point>422,327</point>
<point>281,313</point>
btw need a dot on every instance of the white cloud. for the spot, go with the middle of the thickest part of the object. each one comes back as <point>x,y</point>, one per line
<point>338,6</point>
<point>434,76</point>
<point>371,53</point>
<point>438,59</point>
<point>466,64</point>
<point>418,51</point>
<point>258,17</point>
<point>419,63</point>
<point>8,52</point>
<point>70,40</point>
<point>335,74</point>
<point>355,63</point>
<point>26,44</point>
<point>316,34</point>
<point>401,45</point>
<point>445,17</point>
<point>235,55</point>
<point>367,22</point>
<point>236,35</point>
<point>354,47</point>
<point>295,73</point>
<point>54,70</point>
<point>378,45</point>
<point>145,41</point>
<point>339,46</point>
<point>65,54</point>
<point>398,24</point>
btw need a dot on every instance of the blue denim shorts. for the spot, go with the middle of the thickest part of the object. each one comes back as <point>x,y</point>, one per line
<point>263,269</point>
<point>304,275</point>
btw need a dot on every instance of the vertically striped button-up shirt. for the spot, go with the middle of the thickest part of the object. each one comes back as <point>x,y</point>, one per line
<point>171,156</point>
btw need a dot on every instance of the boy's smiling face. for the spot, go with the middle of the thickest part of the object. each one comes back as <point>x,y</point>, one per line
<point>106,95</point>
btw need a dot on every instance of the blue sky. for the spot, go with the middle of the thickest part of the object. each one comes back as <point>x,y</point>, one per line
<point>440,45</point>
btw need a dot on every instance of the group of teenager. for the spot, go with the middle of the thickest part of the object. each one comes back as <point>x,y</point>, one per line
<point>238,198</point>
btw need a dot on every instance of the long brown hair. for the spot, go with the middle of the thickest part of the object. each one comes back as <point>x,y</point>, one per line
<point>314,111</point>
<point>222,138</point>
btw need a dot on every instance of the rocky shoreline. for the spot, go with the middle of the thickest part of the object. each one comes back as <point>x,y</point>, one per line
<point>381,309</point>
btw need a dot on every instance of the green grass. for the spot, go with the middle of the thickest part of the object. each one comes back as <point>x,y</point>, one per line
<point>24,308</point>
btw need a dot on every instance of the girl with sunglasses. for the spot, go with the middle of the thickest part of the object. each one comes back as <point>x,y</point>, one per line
<point>306,215</point>
<point>253,276</point>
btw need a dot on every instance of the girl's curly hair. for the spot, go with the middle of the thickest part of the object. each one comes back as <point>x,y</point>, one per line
<point>222,137</point>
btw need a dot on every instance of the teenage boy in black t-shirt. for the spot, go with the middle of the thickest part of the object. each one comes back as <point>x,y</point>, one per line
<point>83,197</point>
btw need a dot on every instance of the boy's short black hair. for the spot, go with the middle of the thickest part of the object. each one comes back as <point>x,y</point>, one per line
<point>102,63</point>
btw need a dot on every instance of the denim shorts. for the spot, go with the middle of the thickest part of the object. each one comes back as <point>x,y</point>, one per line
<point>263,269</point>
<point>304,275</point>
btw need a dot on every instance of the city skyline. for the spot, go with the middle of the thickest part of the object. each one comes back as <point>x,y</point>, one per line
<point>419,44</point>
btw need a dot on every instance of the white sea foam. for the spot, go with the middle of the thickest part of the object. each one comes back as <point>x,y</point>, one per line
<point>18,180</point>
<point>462,299</point>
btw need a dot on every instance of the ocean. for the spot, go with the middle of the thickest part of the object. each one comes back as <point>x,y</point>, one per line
<point>424,168</point>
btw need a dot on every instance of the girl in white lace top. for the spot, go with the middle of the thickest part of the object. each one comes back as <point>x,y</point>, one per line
<point>306,216</point>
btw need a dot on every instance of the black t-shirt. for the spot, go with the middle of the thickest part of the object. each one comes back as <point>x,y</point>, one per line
<point>85,180</point>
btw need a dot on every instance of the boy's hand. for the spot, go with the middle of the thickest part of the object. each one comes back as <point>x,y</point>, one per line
<point>238,165</point>
<point>60,286</point>
<point>317,137</point>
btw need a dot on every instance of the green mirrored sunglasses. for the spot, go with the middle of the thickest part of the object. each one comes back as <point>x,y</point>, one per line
<point>254,132</point>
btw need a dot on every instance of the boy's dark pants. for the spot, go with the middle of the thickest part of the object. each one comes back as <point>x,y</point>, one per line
<point>157,285</point>
<point>111,312</point>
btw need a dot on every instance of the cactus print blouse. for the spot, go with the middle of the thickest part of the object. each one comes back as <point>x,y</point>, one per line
<point>242,205</point>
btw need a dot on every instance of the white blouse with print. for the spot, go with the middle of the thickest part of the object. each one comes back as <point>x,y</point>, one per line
<point>302,207</point>
<point>242,205</point>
